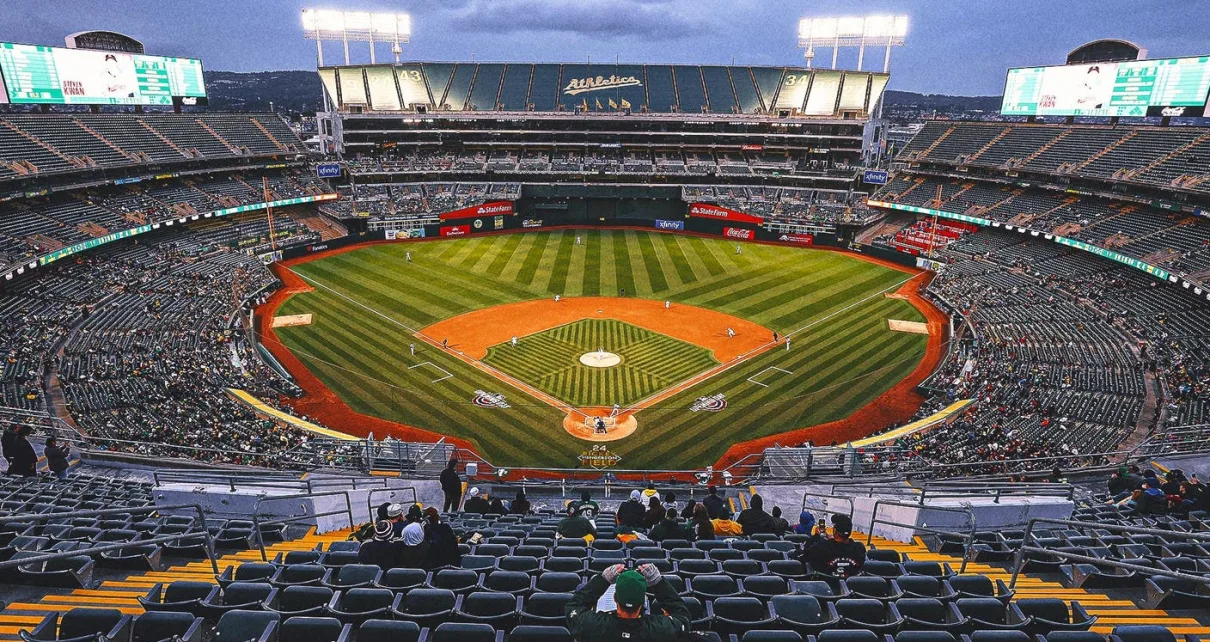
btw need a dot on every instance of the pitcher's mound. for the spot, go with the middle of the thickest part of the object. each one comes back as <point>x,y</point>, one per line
<point>582,425</point>
<point>600,359</point>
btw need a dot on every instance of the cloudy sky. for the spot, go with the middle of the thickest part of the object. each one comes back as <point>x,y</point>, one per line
<point>955,46</point>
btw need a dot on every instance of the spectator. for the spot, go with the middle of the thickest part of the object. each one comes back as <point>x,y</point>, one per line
<point>415,551</point>
<point>754,519</point>
<point>670,502</point>
<point>1119,482</point>
<point>669,528</point>
<point>650,491</point>
<point>451,486</point>
<point>575,526</point>
<point>382,512</point>
<point>380,551</point>
<point>703,529</point>
<point>56,457</point>
<point>838,555</point>
<point>414,515</point>
<point>655,512</point>
<point>8,441</point>
<point>715,505</point>
<point>25,460</point>
<point>806,524</point>
<point>630,512</point>
<point>628,622</point>
<point>395,515</point>
<point>585,507</point>
<point>496,507</point>
<point>474,503</point>
<point>726,527</point>
<point>687,512</point>
<point>441,540</point>
<point>520,505</point>
<point>780,525</point>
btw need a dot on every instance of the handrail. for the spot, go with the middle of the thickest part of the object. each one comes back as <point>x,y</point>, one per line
<point>1019,557</point>
<point>996,489</point>
<point>257,522</point>
<point>968,539</point>
<point>370,499</point>
<point>825,508</point>
<point>39,517</point>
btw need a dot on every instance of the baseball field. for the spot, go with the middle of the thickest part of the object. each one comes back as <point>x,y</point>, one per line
<point>693,332</point>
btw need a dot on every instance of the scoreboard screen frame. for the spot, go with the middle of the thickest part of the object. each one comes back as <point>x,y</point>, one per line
<point>1108,87</point>
<point>99,78</point>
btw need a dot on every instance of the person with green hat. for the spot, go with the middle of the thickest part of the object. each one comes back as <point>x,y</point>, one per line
<point>627,621</point>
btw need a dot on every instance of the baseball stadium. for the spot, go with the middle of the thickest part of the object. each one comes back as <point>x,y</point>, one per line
<point>524,350</point>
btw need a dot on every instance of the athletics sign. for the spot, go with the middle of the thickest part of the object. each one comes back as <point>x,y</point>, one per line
<point>710,210</point>
<point>582,85</point>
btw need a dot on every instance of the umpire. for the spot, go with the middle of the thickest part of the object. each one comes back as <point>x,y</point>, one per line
<point>627,622</point>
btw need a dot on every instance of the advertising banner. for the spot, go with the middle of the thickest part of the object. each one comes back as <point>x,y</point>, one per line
<point>328,170</point>
<point>801,239</point>
<point>531,222</point>
<point>874,177</point>
<point>1198,211</point>
<point>712,211</point>
<point>661,224</point>
<point>455,230</point>
<point>400,235</point>
<point>738,233</point>
<point>494,208</point>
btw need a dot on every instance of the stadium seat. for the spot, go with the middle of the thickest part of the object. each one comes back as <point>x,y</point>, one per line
<point>925,636</point>
<point>710,587</point>
<point>183,596</point>
<point>314,629</point>
<point>552,582</point>
<point>1142,633</point>
<point>764,586</point>
<point>924,586</point>
<point>824,591</point>
<point>464,632</point>
<point>242,626</point>
<point>401,579</point>
<point>768,636</point>
<point>967,586</point>
<point>158,626</point>
<point>392,630</point>
<point>500,610</point>
<point>514,582</point>
<point>81,625</point>
<point>531,633</point>
<point>1048,614</point>
<point>544,608</point>
<point>870,614</point>
<point>878,588</point>
<point>427,607</point>
<point>356,605</point>
<point>737,615</point>
<point>353,576</point>
<point>460,581</point>
<point>247,572</point>
<point>929,614</point>
<point>987,613</point>
<point>803,613</point>
<point>300,575</point>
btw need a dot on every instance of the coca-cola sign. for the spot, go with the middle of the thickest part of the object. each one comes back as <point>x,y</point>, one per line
<point>739,233</point>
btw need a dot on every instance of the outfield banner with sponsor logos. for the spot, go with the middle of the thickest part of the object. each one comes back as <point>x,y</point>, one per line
<point>661,224</point>
<point>399,235</point>
<point>1200,211</point>
<point>800,239</point>
<point>531,222</point>
<point>712,211</point>
<point>1137,264</point>
<point>739,233</point>
<point>494,208</point>
<point>455,230</point>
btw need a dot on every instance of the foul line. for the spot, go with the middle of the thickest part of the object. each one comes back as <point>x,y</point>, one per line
<point>752,379</point>
<point>448,374</point>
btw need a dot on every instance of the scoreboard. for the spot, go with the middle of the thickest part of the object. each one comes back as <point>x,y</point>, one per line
<point>31,74</point>
<point>1166,87</point>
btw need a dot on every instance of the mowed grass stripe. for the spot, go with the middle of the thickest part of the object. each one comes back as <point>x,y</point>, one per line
<point>839,363</point>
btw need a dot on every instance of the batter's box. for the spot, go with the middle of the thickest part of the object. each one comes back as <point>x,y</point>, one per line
<point>436,367</point>
<point>753,378</point>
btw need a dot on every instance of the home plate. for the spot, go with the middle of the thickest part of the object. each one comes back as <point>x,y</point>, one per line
<point>908,326</point>
<point>291,320</point>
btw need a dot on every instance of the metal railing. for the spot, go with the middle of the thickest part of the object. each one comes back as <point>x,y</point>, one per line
<point>968,538</point>
<point>1019,559</point>
<point>306,515</point>
<point>995,490</point>
<point>826,499</point>
<point>378,491</point>
<point>101,548</point>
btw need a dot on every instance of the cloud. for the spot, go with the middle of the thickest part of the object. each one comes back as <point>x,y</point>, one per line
<point>598,18</point>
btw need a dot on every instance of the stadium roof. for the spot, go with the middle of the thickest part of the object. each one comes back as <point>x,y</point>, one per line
<point>604,88</point>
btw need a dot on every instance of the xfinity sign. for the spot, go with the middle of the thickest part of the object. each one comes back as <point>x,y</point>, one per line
<point>874,177</point>
<point>328,170</point>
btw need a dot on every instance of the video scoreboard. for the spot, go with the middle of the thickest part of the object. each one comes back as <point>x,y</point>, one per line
<point>32,74</point>
<point>1167,87</point>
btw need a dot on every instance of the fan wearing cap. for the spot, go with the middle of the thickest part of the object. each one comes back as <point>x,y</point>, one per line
<point>630,512</point>
<point>380,551</point>
<point>475,503</point>
<point>838,555</point>
<point>628,622</point>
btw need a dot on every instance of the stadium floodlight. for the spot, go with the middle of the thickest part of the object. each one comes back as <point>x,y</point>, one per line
<point>873,31</point>
<point>356,26</point>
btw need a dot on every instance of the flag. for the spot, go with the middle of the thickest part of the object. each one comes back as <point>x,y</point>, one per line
<point>599,104</point>
<point>625,104</point>
<point>584,104</point>
<point>612,105</point>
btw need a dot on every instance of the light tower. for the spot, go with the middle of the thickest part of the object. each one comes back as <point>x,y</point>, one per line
<point>873,31</point>
<point>356,26</point>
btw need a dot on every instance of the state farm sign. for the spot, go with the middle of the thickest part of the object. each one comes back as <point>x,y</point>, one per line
<point>494,208</point>
<point>709,210</point>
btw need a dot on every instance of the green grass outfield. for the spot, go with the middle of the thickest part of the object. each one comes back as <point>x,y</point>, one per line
<point>369,300</point>
<point>550,361</point>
